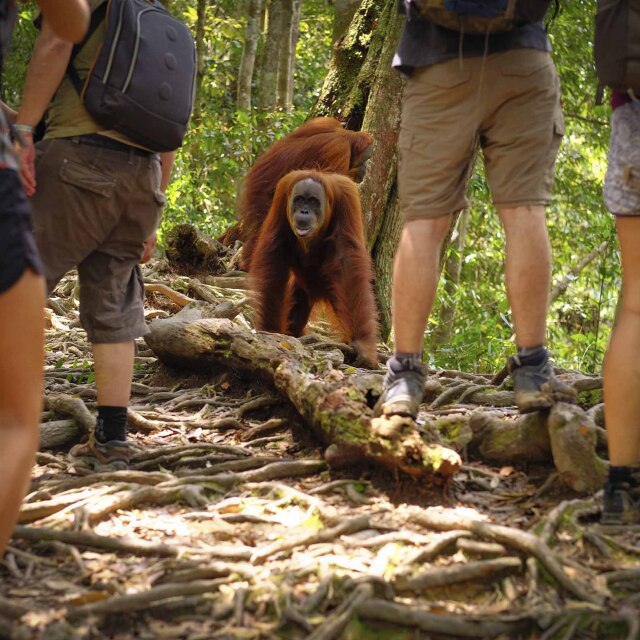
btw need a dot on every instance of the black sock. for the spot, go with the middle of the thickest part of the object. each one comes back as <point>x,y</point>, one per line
<point>403,361</point>
<point>623,473</point>
<point>532,355</point>
<point>111,424</point>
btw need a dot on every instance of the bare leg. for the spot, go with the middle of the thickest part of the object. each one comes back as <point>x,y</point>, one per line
<point>622,363</point>
<point>21,364</point>
<point>528,272</point>
<point>114,372</point>
<point>415,280</point>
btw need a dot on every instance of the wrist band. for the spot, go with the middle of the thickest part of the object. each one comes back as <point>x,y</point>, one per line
<point>23,128</point>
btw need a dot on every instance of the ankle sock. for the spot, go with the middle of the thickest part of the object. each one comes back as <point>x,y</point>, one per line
<point>111,424</point>
<point>403,361</point>
<point>624,473</point>
<point>532,356</point>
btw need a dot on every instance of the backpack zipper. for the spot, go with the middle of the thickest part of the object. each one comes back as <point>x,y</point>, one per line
<point>112,53</point>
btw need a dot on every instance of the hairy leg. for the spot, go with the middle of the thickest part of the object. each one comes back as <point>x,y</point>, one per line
<point>21,364</point>
<point>415,279</point>
<point>528,272</point>
<point>114,372</point>
<point>298,314</point>
<point>622,362</point>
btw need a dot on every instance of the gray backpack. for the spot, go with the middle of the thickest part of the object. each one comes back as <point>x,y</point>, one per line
<point>617,45</point>
<point>142,81</point>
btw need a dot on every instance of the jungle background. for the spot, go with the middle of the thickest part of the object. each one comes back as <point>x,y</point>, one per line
<point>243,106</point>
<point>234,521</point>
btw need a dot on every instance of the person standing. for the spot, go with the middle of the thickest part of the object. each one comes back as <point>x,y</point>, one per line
<point>473,87</point>
<point>97,193</point>
<point>21,294</point>
<point>616,39</point>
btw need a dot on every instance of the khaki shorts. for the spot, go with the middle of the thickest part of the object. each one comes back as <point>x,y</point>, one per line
<point>508,103</point>
<point>93,208</point>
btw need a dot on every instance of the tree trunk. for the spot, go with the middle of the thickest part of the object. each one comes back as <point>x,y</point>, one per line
<point>285,55</point>
<point>344,12</point>
<point>295,35</point>
<point>200,29</point>
<point>452,271</point>
<point>255,18</point>
<point>363,90</point>
<point>267,89</point>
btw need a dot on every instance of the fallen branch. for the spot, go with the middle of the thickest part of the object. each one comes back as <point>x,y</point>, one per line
<point>336,409</point>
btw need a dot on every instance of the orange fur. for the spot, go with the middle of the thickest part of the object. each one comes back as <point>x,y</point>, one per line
<point>321,144</point>
<point>288,277</point>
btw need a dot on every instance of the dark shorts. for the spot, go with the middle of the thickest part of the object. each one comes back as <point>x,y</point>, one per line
<point>17,247</point>
<point>93,209</point>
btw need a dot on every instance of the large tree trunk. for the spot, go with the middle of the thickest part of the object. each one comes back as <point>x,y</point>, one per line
<point>255,18</point>
<point>343,15</point>
<point>364,91</point>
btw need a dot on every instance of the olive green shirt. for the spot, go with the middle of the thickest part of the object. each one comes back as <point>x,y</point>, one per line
<point>66,116</point>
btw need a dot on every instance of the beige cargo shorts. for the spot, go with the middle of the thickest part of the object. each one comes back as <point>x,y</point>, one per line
<point>506,103</point>
<point>93,208</point>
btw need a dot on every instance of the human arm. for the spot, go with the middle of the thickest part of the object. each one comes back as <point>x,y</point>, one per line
<point>68,18</point>
<point>45,72</point>
<point>166,163</point>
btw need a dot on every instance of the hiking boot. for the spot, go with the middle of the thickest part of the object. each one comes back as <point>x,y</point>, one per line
<point>98,456</point>
<point>536,386</point>
<point>621,502</point>
<point>402,392</point>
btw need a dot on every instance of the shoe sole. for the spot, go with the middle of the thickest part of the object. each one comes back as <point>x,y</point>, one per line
<point>539,401</point>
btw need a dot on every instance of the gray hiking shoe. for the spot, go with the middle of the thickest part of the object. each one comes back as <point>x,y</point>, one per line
<point>402,392</point>
<point>621,502</point>
<point>536,386</point>
<point>98,456</point>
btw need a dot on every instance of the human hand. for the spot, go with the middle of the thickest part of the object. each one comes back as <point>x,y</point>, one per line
<point>149,246</point>
<point>27,155</point>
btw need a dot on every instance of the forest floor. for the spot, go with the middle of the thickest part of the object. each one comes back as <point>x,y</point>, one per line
<point>229,524</point>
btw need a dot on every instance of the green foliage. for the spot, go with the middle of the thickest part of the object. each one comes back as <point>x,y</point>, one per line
<point>223,142</point>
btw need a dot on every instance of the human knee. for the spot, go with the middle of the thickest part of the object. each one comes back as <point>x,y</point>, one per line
<point>427,231</point>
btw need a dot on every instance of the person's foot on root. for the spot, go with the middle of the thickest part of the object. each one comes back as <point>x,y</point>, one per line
<point>536,386</point>
<point>403,389</point>
<point>100,456</point>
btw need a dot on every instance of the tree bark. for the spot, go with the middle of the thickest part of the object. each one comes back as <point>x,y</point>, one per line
<point>285,54</point>
<point>295,36</point>
<point>452,272</point>
<point>344,12</point>
<point>200,29</point>
<point>255,18</point>
<point>267,88</point>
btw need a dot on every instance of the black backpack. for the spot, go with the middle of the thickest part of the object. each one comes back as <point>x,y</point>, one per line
<point>142,81</point>
<point>480,16</point>
<point>617,45</point>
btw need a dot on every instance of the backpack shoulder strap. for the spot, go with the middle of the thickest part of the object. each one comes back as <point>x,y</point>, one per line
<point>97,18</point>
